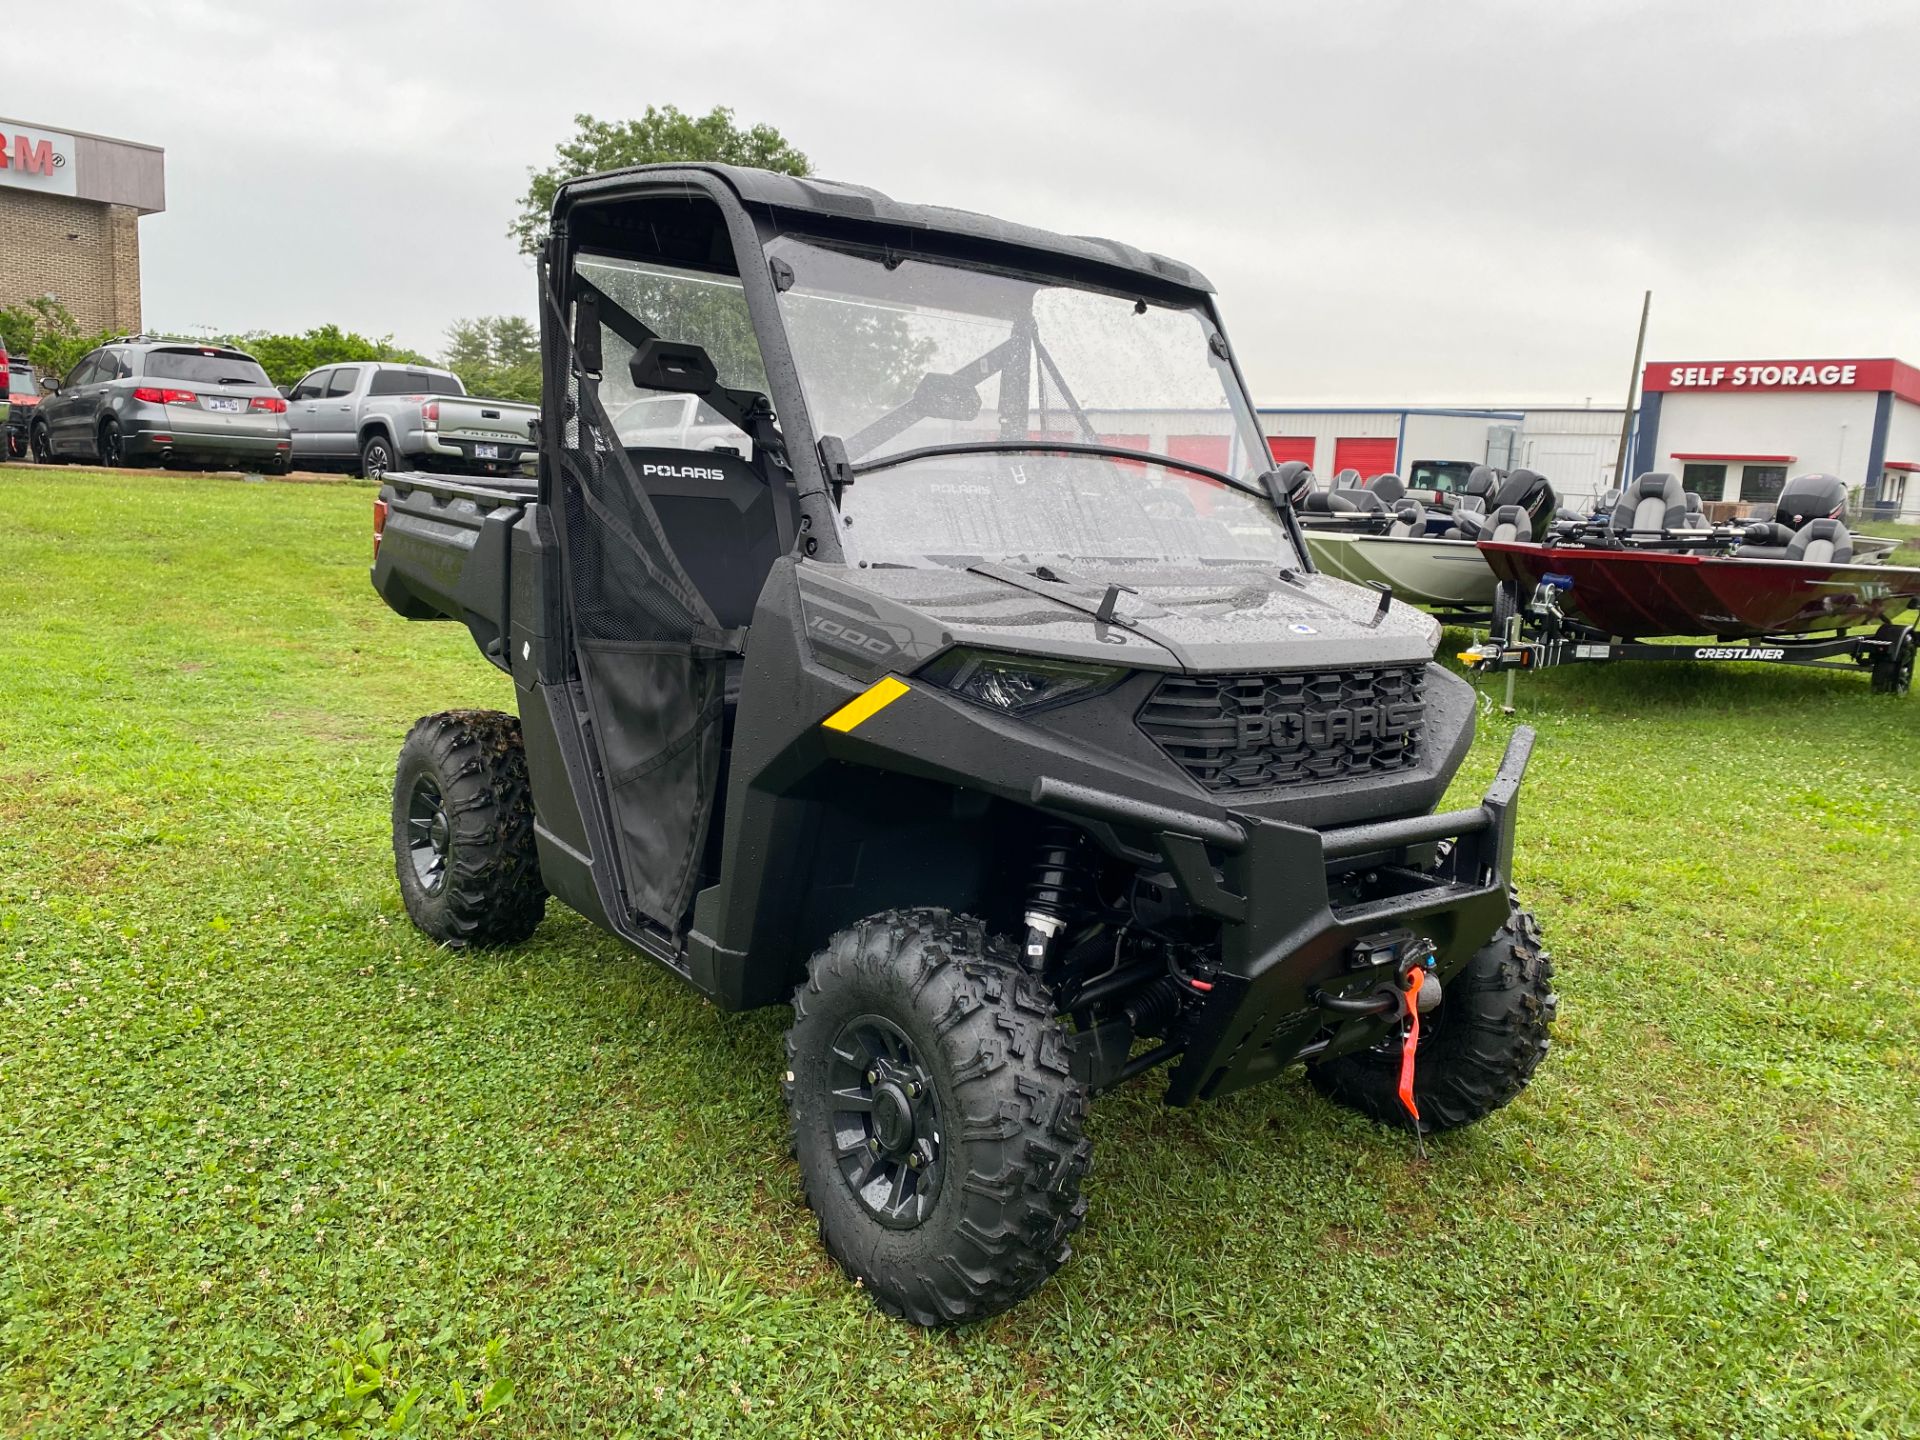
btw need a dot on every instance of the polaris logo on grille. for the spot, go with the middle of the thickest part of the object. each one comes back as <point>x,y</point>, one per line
<point>683,472</point>
<point>1319,729</point>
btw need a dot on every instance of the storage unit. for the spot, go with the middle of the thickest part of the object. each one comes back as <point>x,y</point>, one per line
<point>1736,430</point>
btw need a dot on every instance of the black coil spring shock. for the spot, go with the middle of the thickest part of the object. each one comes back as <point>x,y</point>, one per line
<point>1059,885</point>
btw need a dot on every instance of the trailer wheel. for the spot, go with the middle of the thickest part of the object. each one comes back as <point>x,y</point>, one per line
<point>1477,1050</point>
<point>1506,604</point>
<point>463,830</point>
<point>1893,672</point>
<point>936,1120</point>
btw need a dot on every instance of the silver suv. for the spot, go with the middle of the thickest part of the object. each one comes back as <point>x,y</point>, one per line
<point>146,401</point>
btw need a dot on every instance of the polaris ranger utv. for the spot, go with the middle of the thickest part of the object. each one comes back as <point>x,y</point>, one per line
<point>967,686</point>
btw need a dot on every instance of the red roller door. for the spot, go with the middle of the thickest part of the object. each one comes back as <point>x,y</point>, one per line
<point>1369,455</point>
<point>1213,451</point>
<point>1290,447</point>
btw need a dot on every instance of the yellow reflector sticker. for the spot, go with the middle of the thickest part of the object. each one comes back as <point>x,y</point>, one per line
<point>867,704</point>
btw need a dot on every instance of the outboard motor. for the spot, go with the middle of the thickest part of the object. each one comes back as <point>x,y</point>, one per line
<point>1810,497</point>
<point>1524,509</point>
<point>1293,483</point>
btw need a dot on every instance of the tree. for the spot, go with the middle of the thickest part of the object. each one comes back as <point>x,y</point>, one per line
<point>286,358</point>
<point>496,356</point>
<point>44,334</point>
<point>663,134</point>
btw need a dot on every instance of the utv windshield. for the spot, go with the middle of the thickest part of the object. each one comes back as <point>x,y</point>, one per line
<point>953,389</point>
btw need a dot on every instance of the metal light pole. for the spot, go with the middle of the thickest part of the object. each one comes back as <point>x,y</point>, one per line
<point>1633,385</point>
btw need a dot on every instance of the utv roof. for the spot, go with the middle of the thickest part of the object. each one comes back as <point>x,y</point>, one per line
<point>842,202</point>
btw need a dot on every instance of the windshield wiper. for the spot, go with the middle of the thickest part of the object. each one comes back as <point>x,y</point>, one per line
<point>1051,447</point>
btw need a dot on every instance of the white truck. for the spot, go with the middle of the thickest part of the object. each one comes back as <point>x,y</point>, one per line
<point>374,416</point>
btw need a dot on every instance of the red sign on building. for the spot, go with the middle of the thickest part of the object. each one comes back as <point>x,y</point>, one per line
<point>1782,375</point>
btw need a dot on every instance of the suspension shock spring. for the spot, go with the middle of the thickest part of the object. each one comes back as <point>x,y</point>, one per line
<point>1059,886</point>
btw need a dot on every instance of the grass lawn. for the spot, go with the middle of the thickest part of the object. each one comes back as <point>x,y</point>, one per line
<point>271,1163</point>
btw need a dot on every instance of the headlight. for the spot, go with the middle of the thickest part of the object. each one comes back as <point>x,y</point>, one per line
<point>1019,684</point>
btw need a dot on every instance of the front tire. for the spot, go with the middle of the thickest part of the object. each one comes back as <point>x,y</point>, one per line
<point>463,845</point>
<point>936,1119</point>
<point>1478,1048</point>
<point>40,440</point>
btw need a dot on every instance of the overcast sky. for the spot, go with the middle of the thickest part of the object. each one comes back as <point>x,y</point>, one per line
<point>1418,201</point>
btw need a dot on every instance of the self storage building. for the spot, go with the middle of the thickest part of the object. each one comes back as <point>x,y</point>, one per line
<point>1735,430</point>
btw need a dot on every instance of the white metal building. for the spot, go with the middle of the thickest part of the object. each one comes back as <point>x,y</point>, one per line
<point>1574,447</point>
<point>1737,429</point>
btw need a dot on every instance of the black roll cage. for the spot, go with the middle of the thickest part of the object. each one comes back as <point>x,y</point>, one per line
<point>753,224</point>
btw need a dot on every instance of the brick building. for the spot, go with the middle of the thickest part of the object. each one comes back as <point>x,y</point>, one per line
<point>70,208</point>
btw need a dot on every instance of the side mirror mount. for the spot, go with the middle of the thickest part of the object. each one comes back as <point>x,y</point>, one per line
<point>1289,484</point>
<point>940,396</point>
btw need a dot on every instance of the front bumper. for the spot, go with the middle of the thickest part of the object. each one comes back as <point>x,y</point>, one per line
<point>1286,940</point>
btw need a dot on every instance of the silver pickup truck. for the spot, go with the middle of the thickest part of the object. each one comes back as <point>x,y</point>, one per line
<point>372,417</point>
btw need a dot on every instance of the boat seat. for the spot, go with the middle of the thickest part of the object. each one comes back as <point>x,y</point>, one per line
<point>1764,540</point>
<point>1355,502</point>
<point>1654,502</point>
<point>1696,511</point>
<point>1821,542</point>
<point>1469,505</point>
<point>1509,523</point>
<point>1409,519</point>
<point>1390,488</point>
<point>1348,479</point>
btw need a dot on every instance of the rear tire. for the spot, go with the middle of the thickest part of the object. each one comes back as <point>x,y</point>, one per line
<point>936,1119</point>
<point>377,456</point>
<point>112,448</point>
<point>463,845</point>
<point>1478,1049</point>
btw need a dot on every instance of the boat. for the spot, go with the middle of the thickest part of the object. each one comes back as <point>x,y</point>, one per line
<point>1372,535</point>
<point>1797,589</point>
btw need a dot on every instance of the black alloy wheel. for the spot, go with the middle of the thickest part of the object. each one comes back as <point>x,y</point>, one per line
<point>429,833</point>
<point>886,1122</point>
<point>376,457</point>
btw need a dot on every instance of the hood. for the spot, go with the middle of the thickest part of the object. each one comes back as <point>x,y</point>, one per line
<point>1198,619</point>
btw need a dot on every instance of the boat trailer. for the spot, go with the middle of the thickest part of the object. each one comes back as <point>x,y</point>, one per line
<point>1540,636</point>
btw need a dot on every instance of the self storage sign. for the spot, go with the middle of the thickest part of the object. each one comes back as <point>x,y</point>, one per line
<point>1771,375</point>
<point>36,160</point>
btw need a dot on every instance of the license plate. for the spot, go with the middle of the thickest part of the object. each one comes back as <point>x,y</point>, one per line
<point>230,406</point>
<point>486,452</point>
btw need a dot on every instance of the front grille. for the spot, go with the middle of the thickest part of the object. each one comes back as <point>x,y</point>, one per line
<point>1256,732</point>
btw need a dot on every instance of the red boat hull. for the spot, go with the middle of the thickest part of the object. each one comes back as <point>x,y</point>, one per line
<point>1636,594</point>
